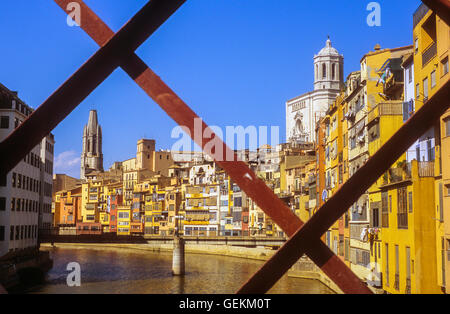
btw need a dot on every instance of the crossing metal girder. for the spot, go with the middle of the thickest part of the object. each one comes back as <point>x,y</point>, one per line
<point>118,50</point>
<point>238,171</point>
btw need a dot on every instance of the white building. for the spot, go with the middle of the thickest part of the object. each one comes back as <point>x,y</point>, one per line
<point>26,192</point>
<point>203,174</point>
<point>423,148</point>
<point>303,112</point>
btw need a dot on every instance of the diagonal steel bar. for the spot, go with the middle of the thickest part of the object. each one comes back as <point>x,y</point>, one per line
<point>349,193</point>
<point>91,74</point>
<point>238,171</point>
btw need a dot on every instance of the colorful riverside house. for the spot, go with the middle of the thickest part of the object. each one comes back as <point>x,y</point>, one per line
<point>154,205</point>
<point>239,209</point>
<point>322,194</point>
<point>298,179</point>
<point>224,203</point>
<point>332,125</point>
<point>368,91</point>
<point>431,53</point>
<point>115,199</point>
<point>383,120</point>
<point>350,86</point>
<point>173,210</point>
<point>339,167</point>
<point>91,191</point>
<point>445,241</point>
<point>408,234</point>
<point>67,208</point>
<point>123,220</point>
<point>201,210</point>
<point>138,208</point>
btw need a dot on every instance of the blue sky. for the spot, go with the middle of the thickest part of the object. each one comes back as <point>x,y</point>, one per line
<point>235,62</point>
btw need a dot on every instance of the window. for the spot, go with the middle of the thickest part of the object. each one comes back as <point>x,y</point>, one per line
<point>425,89</point>
<point>447,126</point>
<point>445,66</point>
<point>441,202</point>
<point>2,204</point>
<point>4,122</point>
<point>410,202</point>
<point>402,214</point>
<point>3,180</point>
<point>324,70</point>
<point>416,45</point>
<point>384,210</point>
<point>433,79</point>
<point>390,203</point>
<point>352,142</point>
<point>408,270</point>
<point>397,283</point>
<point>375,218</point>
<point>410,72</point>
<point>417,91</point>
<point>430,151</point>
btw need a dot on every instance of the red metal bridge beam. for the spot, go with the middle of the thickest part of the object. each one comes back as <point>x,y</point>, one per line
<point>238,171</point>
<point>349,193</point>
<point>91,74</point>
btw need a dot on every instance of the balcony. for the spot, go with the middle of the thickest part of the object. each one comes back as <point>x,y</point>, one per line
<point>429,53</point>
<point>426,169</point>
<point>399,174</point>
<point>394,83</point>
<point>391,108</point>
<point>419,14</point>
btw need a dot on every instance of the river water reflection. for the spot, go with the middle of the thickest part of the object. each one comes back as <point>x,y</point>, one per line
<point>125,271</point>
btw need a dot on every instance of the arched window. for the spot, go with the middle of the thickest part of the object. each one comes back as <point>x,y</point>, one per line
<point>333,71</point>
<point>317,72</point>
<point>324,70</point>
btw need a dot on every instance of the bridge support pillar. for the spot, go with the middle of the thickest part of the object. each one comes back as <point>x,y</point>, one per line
<point>178,256</point>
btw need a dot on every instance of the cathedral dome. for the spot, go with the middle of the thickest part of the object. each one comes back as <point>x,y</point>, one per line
<point>328,50</point>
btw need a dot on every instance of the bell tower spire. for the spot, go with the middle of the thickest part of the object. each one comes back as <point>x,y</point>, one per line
<point>92,155</point>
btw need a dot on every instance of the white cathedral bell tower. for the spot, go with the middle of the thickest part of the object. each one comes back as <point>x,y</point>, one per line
<point>303,112</point>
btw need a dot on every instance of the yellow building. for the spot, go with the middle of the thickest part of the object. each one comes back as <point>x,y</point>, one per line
<point>123,220</point>
<point>444,196</point>
<point>173,209</point>
<point>408,233</point>
<point>91,202</point>
<point>332,149</point>
<point>431,37</point>
<point>155,204</point>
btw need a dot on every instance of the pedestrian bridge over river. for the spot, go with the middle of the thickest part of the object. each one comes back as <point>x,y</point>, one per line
<point>273,242</point>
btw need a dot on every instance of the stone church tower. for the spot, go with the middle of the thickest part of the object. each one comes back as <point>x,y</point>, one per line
<point>328,68</point>
<point>303,112</point>
<point>92,155</point>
